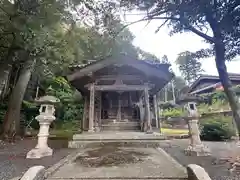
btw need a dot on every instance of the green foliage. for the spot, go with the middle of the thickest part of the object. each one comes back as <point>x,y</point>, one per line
<point>172,112</point>
<point>3,109</point>
<point>30,110</point>
<point>189,66</point>
<point>219,96</point>
<point>69,109</point>
<point>217,128</point>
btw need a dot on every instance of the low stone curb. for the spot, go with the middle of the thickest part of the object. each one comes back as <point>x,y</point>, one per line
<point>173,136</point>
<point>16,178</point>
<point>177,136</point>
<point>196,172</point>
<point>34,173</point>
<point>59,164</point>
<point>170,158</point>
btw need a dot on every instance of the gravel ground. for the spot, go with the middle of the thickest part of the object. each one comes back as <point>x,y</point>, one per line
<point>13,162</point>
<point>216,169</point>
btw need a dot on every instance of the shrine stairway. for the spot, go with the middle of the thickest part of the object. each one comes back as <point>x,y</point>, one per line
<point>113,125</point>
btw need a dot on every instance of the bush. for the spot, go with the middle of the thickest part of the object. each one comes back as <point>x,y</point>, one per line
<point>217,129</point>
<point>172,112</point>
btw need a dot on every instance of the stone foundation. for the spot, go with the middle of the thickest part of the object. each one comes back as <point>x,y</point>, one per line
<point>37,153</point>
<point>197,150</point>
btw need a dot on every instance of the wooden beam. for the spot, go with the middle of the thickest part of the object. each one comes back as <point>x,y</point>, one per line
<point>119,87</point>
<point>122,77</point>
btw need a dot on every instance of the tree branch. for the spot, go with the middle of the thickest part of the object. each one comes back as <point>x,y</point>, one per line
<point>201,34</point>
<point>191,28</point>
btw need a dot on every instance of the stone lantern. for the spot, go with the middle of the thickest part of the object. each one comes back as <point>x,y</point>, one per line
<point>196,146</point>
<point>45,118</point>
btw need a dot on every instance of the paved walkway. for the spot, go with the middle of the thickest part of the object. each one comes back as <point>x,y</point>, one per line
<point>108,162</point>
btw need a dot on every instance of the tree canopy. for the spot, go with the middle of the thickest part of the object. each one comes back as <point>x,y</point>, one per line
<point>216,21</point>
<point>39,40</point>
<point>189,66</point>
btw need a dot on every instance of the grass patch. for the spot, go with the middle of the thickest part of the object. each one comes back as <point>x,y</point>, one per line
<point>58,134</point>
<point>61,134</point>
<point>169,131</point>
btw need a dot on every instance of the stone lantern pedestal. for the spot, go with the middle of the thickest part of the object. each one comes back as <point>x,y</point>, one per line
<point>45,118</point>
<point>196,147</point>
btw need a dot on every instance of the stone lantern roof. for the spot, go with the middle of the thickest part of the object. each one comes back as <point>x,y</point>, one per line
<point>189,98</point>
<point>47,100</point>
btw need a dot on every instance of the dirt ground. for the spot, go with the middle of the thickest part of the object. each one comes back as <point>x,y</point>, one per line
<point>12,157</point>
<point>13,162</point>
<point>218,170</point>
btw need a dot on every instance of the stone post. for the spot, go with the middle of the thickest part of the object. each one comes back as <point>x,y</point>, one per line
<point>45,118</point>
<point>196,146</point>
<point>148,127</point>
<point>91,108</point>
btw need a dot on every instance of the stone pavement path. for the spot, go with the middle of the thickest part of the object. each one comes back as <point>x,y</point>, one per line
<point>111,162</point>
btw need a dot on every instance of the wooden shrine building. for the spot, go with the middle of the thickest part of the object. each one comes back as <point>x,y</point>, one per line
<point>208,83</point>
<point>120,94</point>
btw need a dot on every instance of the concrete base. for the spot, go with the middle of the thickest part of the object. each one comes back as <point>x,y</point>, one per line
<point>197,150</point>
<point>91,131</point>
<point>124,138</point>
<point>149,132</point>
<point>97,129</point>
<point>38,153</point>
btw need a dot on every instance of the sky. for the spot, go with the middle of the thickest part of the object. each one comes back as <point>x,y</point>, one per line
<point>161,44</point>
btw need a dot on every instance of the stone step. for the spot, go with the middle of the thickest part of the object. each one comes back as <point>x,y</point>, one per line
<point>113,120</point>
<point>119,178</point>
<point>154,143</point>
<point>122,124</point>
<point>113,127</point>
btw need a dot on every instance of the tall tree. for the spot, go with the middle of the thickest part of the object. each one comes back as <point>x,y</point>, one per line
<point>28,38</point>
<point>179,84</point>
<point>216,21</point>
<point>189,66</point>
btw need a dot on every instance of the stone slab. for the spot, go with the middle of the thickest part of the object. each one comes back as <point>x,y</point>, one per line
<point>155,165</point>
<point>117,136</point>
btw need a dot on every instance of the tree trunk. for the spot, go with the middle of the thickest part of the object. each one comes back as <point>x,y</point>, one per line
<point>12,117</point>
<point>226,82</point>
<point>5,70</point>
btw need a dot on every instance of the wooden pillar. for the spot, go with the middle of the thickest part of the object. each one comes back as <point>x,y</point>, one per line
<point>141,109</point>
<point>91,108</point>
<point>155,109</point>
<point>100,111</point>
<point>147,111</point>
<point>119,113</point>
<point>85,111</point>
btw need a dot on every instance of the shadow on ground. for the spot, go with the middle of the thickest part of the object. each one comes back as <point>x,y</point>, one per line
<point>110,155</point>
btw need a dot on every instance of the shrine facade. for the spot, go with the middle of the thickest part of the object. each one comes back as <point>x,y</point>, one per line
<point>120,94</point>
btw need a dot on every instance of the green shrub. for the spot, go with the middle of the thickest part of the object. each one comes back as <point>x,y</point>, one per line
<point>218,128</point>
<point>172,112</point>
